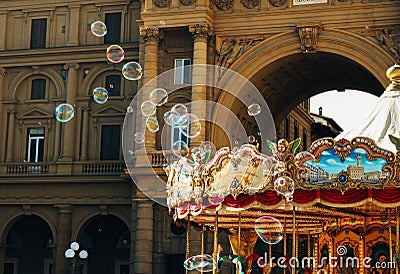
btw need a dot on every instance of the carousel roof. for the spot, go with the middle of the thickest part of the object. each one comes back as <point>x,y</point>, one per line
<point>384,119</point>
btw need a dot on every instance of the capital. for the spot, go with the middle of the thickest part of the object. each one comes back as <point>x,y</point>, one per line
<point>71,65</point>
<point>200,32</point>
<point>150,35</point>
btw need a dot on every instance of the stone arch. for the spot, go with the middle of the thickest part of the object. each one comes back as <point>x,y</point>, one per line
<point>363,52</point>
<point>51,74</point>
<point>88,217</point>
<point>340,42</point>
<point>12,219</point>
<point>94,73</point>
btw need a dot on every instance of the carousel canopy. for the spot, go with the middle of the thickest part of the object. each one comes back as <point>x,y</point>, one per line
<point>384,120</point>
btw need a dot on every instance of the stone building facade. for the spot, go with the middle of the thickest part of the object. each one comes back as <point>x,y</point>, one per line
<point>65,182</point>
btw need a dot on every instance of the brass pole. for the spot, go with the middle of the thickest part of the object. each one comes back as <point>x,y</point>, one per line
<point>239,232</point>
<point>284,236</point>
<point>294,237</point>
<point>309,245</point>
<point>188,241</point>
<point>397,238</point>
<point>390,238</point>
<point>215,255</point>
<point>202,244</point>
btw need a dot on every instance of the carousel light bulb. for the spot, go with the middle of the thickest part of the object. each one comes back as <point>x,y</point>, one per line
<point>69,253</point>
<point>83,254</point>
<point>75,246</point>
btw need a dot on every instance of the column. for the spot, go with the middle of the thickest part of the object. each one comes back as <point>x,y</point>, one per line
<point>62,266</point>
<point>151,36</point>
<point>3,31</point>
<point>144,237</point>
<point>10,141</point>
<point>69,127</point>
<point>200,33</point>
<point>85,130</point>
<point>73,36</point>
<point>3,115</point>
<point>57,141</point>
<point>159,258</point>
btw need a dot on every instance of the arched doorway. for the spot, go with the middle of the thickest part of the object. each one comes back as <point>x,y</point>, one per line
<point>107,240</point>
<point>28,247</point>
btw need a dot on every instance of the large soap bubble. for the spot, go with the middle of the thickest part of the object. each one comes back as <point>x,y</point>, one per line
<point>269,229</point>
<point>64,112</point>
<point>202,263</point>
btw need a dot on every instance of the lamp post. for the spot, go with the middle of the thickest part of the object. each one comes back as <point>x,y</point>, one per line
<point>71,252</point>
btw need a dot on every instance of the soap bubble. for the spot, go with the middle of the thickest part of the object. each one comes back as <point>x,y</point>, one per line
<point>64,112</point>
<point>171,118</point>
<point>190,125</point>
<point>254,109</point>
<point>252,139</point>
<point>139,137</point>
<point>158,96</point>
<point>98,28</point>
<point>129,109</point>
<point>180,148</point>
<point>202,263</point>
<point>207,151</point>
<point>100,95</point>
<point>285,186</point>
<point>147,108</point>
<point>181,109</point>
<point>132,71</point>
<point>115,54</point>
<point>269,229</point>
<point>152,124</point>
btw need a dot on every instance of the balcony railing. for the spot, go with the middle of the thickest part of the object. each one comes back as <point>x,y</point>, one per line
<point>51,168</point>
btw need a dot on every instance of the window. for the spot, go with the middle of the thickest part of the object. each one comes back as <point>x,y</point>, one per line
<point>113,85</point>
<point>38,33</point>
<point>177,135</point>
<point>35,144</point>
<point>304,140</point>
<point>110,142</point>
<point>286,128</point>
<point>38,89</point>
<point>113,23</point>
<point>11,266</point>
<point>182,71</point>
<point>296,130</point>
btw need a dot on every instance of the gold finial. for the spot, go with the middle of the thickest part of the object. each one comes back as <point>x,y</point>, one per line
<point>393,73</point>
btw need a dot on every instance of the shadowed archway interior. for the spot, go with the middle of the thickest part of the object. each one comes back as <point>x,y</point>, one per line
<point>290,80</point>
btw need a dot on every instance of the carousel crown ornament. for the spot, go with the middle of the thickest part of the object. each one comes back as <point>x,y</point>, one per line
<point>324,195</point>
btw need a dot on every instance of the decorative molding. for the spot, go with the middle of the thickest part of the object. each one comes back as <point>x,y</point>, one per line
<point>250,4</point>
<point>278,3</point>
<point>308,33</point>
<point>162,3</point>
<point>389,39</point>
<point>200,32</point>
<point>187,2</point>
<point>150,35</point>
<point>223,5</point>
<point>231,49</point>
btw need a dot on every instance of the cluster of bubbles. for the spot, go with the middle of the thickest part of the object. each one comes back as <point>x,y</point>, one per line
<point>115,54</point>
<point>269,229</point>
<point>179,117</point>
<point>202,263</point>
<point>157,97</point>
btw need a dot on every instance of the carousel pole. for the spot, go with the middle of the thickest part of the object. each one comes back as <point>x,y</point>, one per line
<point>390,239</point>
<point>294,237</point>
<point>202,244</point>
<point>309,245</point>
<point>397,237</point>
<point>284,236</point>
<point>188,241</point>
<point>215,255</point>
<point>239,232</point>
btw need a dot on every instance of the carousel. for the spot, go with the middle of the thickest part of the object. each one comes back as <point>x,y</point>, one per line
<point>331,209</point>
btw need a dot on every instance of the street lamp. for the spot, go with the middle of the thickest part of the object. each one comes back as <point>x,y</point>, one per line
<point>70,254</point>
